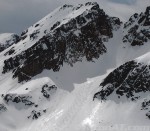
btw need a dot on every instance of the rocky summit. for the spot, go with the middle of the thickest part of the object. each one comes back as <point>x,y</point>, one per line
<point>63,42</point>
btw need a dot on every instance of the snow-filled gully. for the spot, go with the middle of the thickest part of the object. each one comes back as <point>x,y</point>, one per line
<point>74,109</point>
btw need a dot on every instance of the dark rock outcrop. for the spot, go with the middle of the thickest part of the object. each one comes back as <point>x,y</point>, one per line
<point>128,80</point>
<point>46,90</point>
<point>146,107</point>
<point>131,80</point>
<point>138,29</point>
<point>14,98</point>
<point>81,37</point>
<point>36,114</point>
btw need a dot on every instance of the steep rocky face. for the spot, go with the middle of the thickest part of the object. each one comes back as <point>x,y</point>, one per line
<point>8,39</point>
<point>137,29</point>
<point>129,81</point>
<point>82,36</point>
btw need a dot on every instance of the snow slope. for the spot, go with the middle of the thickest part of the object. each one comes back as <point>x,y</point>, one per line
<point>25,103</point>
<point>80,113</point>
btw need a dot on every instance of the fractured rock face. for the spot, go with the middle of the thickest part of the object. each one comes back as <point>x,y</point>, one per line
<point>14,98</point>
<point>66,42</point>
<point>147,13</point>
<point>138,29</point>
<point>46,90</point>
<point>128,80</point>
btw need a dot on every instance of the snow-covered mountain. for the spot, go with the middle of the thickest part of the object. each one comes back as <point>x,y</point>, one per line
<point>77,69</point>
<point>68,25</point>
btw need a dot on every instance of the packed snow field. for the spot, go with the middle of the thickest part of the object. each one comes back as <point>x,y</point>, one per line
<point>102,90</point>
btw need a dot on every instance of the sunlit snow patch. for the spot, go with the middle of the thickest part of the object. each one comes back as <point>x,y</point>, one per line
<point>89,120</point>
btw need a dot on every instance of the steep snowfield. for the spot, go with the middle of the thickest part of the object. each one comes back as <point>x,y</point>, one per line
<point>80,113</point>
<point>73,113</point>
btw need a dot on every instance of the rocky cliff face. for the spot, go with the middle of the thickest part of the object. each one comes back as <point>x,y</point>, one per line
<point>137,29</point>
<point>130,81</point>
<point>8,39</point>
<point>67,41</point>
<point>127,80</point>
